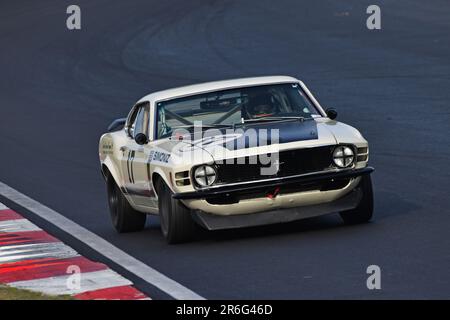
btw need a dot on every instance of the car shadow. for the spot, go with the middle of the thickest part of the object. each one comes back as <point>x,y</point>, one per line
<point>387,206</point>
<point>301,226</point>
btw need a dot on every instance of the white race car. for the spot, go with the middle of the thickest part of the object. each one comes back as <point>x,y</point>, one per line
<point>231,154</point>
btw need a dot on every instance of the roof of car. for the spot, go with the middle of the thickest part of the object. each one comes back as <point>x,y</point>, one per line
<point>215,85</point>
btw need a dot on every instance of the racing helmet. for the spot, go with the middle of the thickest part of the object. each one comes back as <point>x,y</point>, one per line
<point>260,105</point>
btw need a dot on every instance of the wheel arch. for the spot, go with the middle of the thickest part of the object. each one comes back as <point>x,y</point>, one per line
<point>108,169</point>
<point>158,175</point>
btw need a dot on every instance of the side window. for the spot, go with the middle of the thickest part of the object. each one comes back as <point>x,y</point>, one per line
<point>162,126</point>
<point>142,121</point>
<point>139,121</point>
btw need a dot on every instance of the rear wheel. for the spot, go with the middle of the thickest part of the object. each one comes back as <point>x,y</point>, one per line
<point>175,218</point>
<point>363,212</point>
<point>124,218</point>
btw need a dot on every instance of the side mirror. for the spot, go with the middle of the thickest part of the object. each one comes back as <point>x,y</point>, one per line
<point>331,113</point>
<point>141,139</point>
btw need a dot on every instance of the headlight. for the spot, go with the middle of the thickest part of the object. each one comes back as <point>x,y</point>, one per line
<point>205,175</point>
<point>343,156</point>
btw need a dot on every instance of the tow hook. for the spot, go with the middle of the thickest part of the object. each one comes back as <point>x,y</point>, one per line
<point>274,193</point>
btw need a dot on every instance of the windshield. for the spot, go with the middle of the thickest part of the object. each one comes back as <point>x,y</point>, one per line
<point>234,106</point>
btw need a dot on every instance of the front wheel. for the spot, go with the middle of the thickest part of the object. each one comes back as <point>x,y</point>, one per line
<point>363,212</point>
<point>124,218</point>
<point>176,223</point>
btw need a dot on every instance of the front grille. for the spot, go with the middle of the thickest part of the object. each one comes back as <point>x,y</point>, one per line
<point>290,162</point>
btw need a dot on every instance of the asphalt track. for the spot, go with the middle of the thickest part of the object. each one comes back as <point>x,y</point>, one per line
<point>59,90</point>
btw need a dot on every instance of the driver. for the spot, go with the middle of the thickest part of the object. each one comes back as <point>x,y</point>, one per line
<point>261,106</point>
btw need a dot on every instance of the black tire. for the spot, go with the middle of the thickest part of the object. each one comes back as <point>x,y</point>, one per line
<point>124,218</point>
<point>176,223</point>
<point>363,212</point>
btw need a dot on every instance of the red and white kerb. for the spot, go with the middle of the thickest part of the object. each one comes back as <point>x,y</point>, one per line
<point>32,259</point>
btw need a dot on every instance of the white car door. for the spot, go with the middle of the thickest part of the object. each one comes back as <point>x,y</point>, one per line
<point>135,164</point>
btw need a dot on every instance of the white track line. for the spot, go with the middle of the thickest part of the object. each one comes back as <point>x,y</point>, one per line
<point>3,207</point>
<point>89,281</point>
<point>36,250</point>
<point>140,269</point>
<point>18,225</point>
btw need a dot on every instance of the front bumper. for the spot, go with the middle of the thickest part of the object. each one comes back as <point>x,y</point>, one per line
<point>283,208</point>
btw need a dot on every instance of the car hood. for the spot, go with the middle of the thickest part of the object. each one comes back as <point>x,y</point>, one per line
<point>261,138</point>
<point>343,133</point>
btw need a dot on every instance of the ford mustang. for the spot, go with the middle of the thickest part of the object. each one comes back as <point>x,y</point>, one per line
<point>232,154</point>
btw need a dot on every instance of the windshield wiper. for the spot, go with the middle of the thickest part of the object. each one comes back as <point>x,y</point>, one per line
<point>206,126</point>
<point>275,119</point>
<point>193,126</point>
